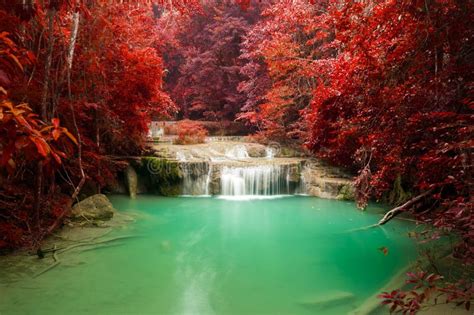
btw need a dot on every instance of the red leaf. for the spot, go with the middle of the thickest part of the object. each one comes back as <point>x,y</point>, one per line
<point>41,145</point>
<point>55,122</point>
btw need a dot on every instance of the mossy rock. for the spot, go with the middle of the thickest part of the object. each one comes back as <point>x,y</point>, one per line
<point>94,208</point>
<point>162,176</point>
<point>346,192</point>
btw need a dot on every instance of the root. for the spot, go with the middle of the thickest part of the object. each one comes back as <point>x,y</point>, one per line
<point>99,246</point>
<point>95,245</point>
<point>62,250</point>
<point>89,239</point>
<point>56,263</point>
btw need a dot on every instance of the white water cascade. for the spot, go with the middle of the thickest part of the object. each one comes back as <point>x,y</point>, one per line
<point>237,152</point>
<point>196,178</point>
<point>255,180</point>
<point>269,153</point>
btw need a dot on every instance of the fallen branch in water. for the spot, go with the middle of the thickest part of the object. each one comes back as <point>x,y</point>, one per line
<point>396,211</point>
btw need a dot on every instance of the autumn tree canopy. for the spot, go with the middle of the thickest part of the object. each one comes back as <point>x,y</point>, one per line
<point>382,88</point>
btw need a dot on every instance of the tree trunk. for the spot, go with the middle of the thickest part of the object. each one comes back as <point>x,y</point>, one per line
<point>47,68</point>
<point>70,58</point>
<point>44,116</point>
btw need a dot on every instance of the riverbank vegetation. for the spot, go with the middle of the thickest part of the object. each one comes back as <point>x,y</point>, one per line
<point>381,88</point>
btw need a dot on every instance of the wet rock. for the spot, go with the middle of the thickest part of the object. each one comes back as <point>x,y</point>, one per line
<point>294,173</point>
<point>94,208</point>
<point>327,182</point>
<point>131,179</point>
<point>117,187</point>
<point>256,150</point>
<point>346,192</point>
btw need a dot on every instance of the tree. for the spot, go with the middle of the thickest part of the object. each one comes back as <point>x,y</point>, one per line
<point>82,64</point>
<point>206,53</point>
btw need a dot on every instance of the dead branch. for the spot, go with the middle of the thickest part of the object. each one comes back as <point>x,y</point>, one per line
<point>396,211</point>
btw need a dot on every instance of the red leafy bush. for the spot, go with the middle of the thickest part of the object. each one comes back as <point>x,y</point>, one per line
<point>190,132</point>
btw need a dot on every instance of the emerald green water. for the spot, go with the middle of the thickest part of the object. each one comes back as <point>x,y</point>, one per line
<point>214,256</point>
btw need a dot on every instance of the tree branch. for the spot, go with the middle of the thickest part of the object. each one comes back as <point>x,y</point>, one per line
<point>396,211</point>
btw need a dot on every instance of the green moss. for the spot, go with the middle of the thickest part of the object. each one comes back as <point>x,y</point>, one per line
<point>398,195</point>
<point>162,176</point>
<point>346,193</point>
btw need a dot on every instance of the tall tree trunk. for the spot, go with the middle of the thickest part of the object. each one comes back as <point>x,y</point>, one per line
<point>70,58</point>
<point>44,116</point>
<point>47,67</point>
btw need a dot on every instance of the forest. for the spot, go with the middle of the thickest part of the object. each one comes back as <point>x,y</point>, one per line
<point>382,89</point>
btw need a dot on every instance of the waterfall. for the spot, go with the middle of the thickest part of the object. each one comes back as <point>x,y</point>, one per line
<point>237,152</point>
<point>180,156</point>
<point>269,153</point>
<point>196,178</point>
<point>255,180</point>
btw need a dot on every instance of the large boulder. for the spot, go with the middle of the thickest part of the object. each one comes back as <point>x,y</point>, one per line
<point>94,208</point>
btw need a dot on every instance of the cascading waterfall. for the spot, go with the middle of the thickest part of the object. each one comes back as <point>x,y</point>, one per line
<point>196,178</point>
<point>237,152</point>
<point>235,173</point>
<point>255,180</point>
<point>270,153</point>
<point>180,156</point>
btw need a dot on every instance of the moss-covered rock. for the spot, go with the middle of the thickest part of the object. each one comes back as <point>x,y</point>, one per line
<point>94,208</point>
<point>397,195</point>
<point>161,176</point>
<point>346,192</point>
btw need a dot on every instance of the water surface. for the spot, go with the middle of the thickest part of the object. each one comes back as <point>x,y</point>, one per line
<point>230,257</point>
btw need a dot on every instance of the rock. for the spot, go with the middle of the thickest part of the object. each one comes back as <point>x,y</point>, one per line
<point>294,172</point>
<point>327,182</point>
<point>131,179</point>
<point>346,192</point>
<point>256,150</point>
<point>117,187</point>
<point>93,208</point>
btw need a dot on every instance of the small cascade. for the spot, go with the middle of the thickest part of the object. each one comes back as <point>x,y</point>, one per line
<point>180,156</point>
<point>256,180</point>
<point>269,153</point>
<point>302,187</point>
<point>196,178</point>
<point>237,152</point>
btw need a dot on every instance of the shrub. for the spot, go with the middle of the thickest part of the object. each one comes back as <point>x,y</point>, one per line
<point>190,132</point>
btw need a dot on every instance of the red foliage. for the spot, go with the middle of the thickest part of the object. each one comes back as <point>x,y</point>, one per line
<point>203,60</point>
<point>109,93</point>
<point>381,88</point>
<point>425,287</point>
<point>190,132</point>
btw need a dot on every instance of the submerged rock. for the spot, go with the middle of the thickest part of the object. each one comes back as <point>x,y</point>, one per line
<point>94,208</point>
